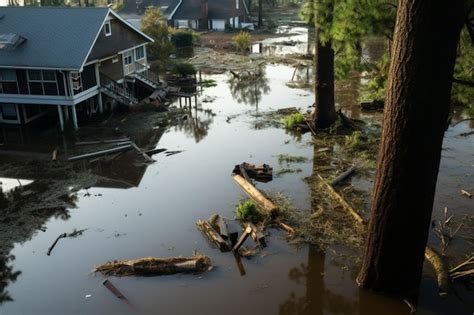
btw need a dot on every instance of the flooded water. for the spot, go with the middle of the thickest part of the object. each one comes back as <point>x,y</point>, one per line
<point>138,210</point>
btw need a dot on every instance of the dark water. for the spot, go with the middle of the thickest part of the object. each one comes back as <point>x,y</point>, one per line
<point>151,211</point>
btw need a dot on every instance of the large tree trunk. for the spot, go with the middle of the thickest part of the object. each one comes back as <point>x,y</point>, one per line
<point>260,17</point>
<point>417,107</point>
<point>325,110</point>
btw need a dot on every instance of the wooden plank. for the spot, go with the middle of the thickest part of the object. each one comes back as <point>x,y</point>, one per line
<point>100,153</point>
<point>102,141</point>
<point>257,235</point>
<point>212,234</point>
<point>343,176</point>
<point>145,156</point>
<point>243,237</point>
<point>256,195</point>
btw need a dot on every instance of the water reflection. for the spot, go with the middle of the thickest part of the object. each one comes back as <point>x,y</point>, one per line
<point>248,87</point>
<point>196,123</point>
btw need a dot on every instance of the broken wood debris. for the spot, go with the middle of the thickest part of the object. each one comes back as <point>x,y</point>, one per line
<point>242,239</point>
<point>286,227</point>
<point>115,291</point>
<point>152,266</point>
<point>466,193</point>
<point>341,201</point>
<point>122,148</point>
<point>257,234</point>
<point>441,269</point>
<point>213,235</point>
<point>74,233</point>
<point>103,141</point>
<point>256,195</point>
<point>155,151</point>
<point>262,173</point>
<point>343,176</point>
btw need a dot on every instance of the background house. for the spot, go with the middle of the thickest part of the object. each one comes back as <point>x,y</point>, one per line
<point>71,60</point>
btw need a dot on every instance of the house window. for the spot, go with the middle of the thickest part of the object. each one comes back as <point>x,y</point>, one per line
<point>107,28</point>
<point>237,4</point>
<point>128,66</point>
<point>8,83</point>
<point>139,53</point>
<point>42,82</point>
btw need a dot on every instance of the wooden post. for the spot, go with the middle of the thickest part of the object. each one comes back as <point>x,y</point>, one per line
<point>74,117</point>
<point>61,120</point>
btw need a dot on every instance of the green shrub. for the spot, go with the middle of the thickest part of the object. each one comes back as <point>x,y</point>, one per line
<point>291,121</point>
<point>182,38</point>
<point>248,212</point>
<point>183,69</point>
<point>242,41</point>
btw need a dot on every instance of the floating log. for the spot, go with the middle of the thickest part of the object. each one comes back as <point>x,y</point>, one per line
<point>152,266</point>
<point>343,176</point>
<point>342,201</point>
<point>441,269</point>
<point>243,237</point>
<point>261,173</point>
<point>240,265</point>
<point>257,235</point>
<point>286,227</point>
<point>466,193</point>
<point>102,141</point>
<point>256,195</point>
<point>100,153</point>
<point>115,291</point>
<point>212,235</point>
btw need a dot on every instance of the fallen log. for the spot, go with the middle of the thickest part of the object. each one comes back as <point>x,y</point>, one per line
<point>287,228</point>
<point>242,239</point>
<point>100,153</point>
<point>441,269</point>
<point>256,195</point>
<point>152,266</point>
<point>342,201</point>
<point>343,176</point>
<point>212,235</point>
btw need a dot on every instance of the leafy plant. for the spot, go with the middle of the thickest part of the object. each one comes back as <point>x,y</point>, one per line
<point>183,69</point>
<point>291,121</point>
<point>242,41</point>
<point>182,38</point>
<point>248,212</point>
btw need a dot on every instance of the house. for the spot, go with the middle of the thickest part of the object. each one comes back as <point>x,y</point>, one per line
<point>70,61</point>
<point>208,14</point>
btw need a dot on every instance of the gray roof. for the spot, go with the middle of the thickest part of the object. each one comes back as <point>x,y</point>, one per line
<point>217,9</point>
<point>55,37</point>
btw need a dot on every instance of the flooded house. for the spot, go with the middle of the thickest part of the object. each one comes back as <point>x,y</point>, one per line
<point>69,63</point>
<point>208,14</point>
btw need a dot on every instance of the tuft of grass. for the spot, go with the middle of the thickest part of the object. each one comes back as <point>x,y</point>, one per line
<point>248,212</point>
<point>291,159</point>
<point>291,121</point>
<point>208,83</point>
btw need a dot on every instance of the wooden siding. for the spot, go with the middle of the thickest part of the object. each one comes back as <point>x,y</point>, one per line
<point>112,70</point>
<point>122,38</point>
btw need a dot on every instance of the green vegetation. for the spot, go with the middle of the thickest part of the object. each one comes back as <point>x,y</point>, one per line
<point>359,141</point>
<point>293,120</point>
<point>182,38</point>
<point>208,83</point>
<point>283,171</point>
<point>183,69</point>
<point>242,41</point>
<point>291,159</point>
<point>248,212</point>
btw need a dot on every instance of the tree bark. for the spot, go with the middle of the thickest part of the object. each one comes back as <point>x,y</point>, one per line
<point>325,110</point>
<point>417,107</point>
<point>260,17</point>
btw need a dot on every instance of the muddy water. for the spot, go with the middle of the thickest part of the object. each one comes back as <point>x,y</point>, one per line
<point>155,216</point>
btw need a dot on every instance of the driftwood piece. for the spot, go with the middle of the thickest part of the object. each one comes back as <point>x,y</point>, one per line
<point>55,242</point>
<point>342,201</point>
<point>441,269</point>
<point>256,195</point>
<point>244,174</point>
<point>243,237</point>
<point>343,176</point>
<point>213,235</point>
<point>222,225</point>
<point>240,265</point>
<point>466,193</point>
<point>100,153</point>
<point>115,291</point>
<point>261,173</point>
<point>152,266</point>
<point>287,228</point>
<point>257,235</point>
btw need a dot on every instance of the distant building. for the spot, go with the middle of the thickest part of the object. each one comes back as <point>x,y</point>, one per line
<point>4,3</point>
<point>68,60</point>
<point>208,14</point>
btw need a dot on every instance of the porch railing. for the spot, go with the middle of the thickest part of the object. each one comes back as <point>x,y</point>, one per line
<point>123,94</point>
<point>145,72</point>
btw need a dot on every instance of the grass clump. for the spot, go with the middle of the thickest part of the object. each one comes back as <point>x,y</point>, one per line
<point>291,159</point>
<point>293,120</point>
<point>242,41</point>
<point>183,69</point>
<point>359,141</point>
<point>248,211</point>
<point>208,83</point>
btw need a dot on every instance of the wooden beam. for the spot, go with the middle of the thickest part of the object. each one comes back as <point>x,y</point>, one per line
<point>256,195</point>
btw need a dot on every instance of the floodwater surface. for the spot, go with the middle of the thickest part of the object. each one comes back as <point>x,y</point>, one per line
<point>151,210</point>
